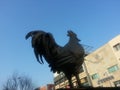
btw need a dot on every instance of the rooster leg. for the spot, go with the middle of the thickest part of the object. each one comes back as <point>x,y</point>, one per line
<point>78,80</point>
<point>69,77</point>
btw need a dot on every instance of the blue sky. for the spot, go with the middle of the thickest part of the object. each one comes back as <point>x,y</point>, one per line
<point>94,21</point>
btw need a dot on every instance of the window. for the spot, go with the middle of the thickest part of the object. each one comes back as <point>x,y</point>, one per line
<point>81,69</point>
<point>117,47</point>
<point>113,68</point>
<point>84,81</point>
<point>117,83</point>
<point>62,74</point>
<point>95,76</point>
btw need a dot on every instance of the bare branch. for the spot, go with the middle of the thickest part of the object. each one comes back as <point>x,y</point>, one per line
<point>17,82</point>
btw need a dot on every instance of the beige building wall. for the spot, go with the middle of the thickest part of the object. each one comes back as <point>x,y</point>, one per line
<point>99,61</point>
<point>102,67</point>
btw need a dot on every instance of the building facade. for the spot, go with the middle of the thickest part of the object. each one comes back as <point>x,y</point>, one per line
<point>101,68</point>
<point>46,87</point>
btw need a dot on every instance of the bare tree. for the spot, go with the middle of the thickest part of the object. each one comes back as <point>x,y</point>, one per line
<point>17,82</point>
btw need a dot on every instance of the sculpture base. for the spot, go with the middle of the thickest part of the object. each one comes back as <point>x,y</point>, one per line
<point>97,88</point>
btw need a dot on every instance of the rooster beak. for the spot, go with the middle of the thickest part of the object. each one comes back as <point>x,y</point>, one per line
<point>27,36</point>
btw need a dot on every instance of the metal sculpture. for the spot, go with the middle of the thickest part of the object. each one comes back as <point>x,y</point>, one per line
<point>67,59</point>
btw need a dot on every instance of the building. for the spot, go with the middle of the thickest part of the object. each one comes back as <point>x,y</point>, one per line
<point>100,69</point>
<point>46,87</point>
<point>61,81</point>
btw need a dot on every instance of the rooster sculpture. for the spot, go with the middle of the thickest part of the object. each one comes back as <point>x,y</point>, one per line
<point>67,59</point>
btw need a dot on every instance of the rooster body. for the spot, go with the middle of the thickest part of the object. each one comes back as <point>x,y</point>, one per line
<point>67,59</point>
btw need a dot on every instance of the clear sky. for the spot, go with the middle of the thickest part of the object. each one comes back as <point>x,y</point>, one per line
<point>94,21</point>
